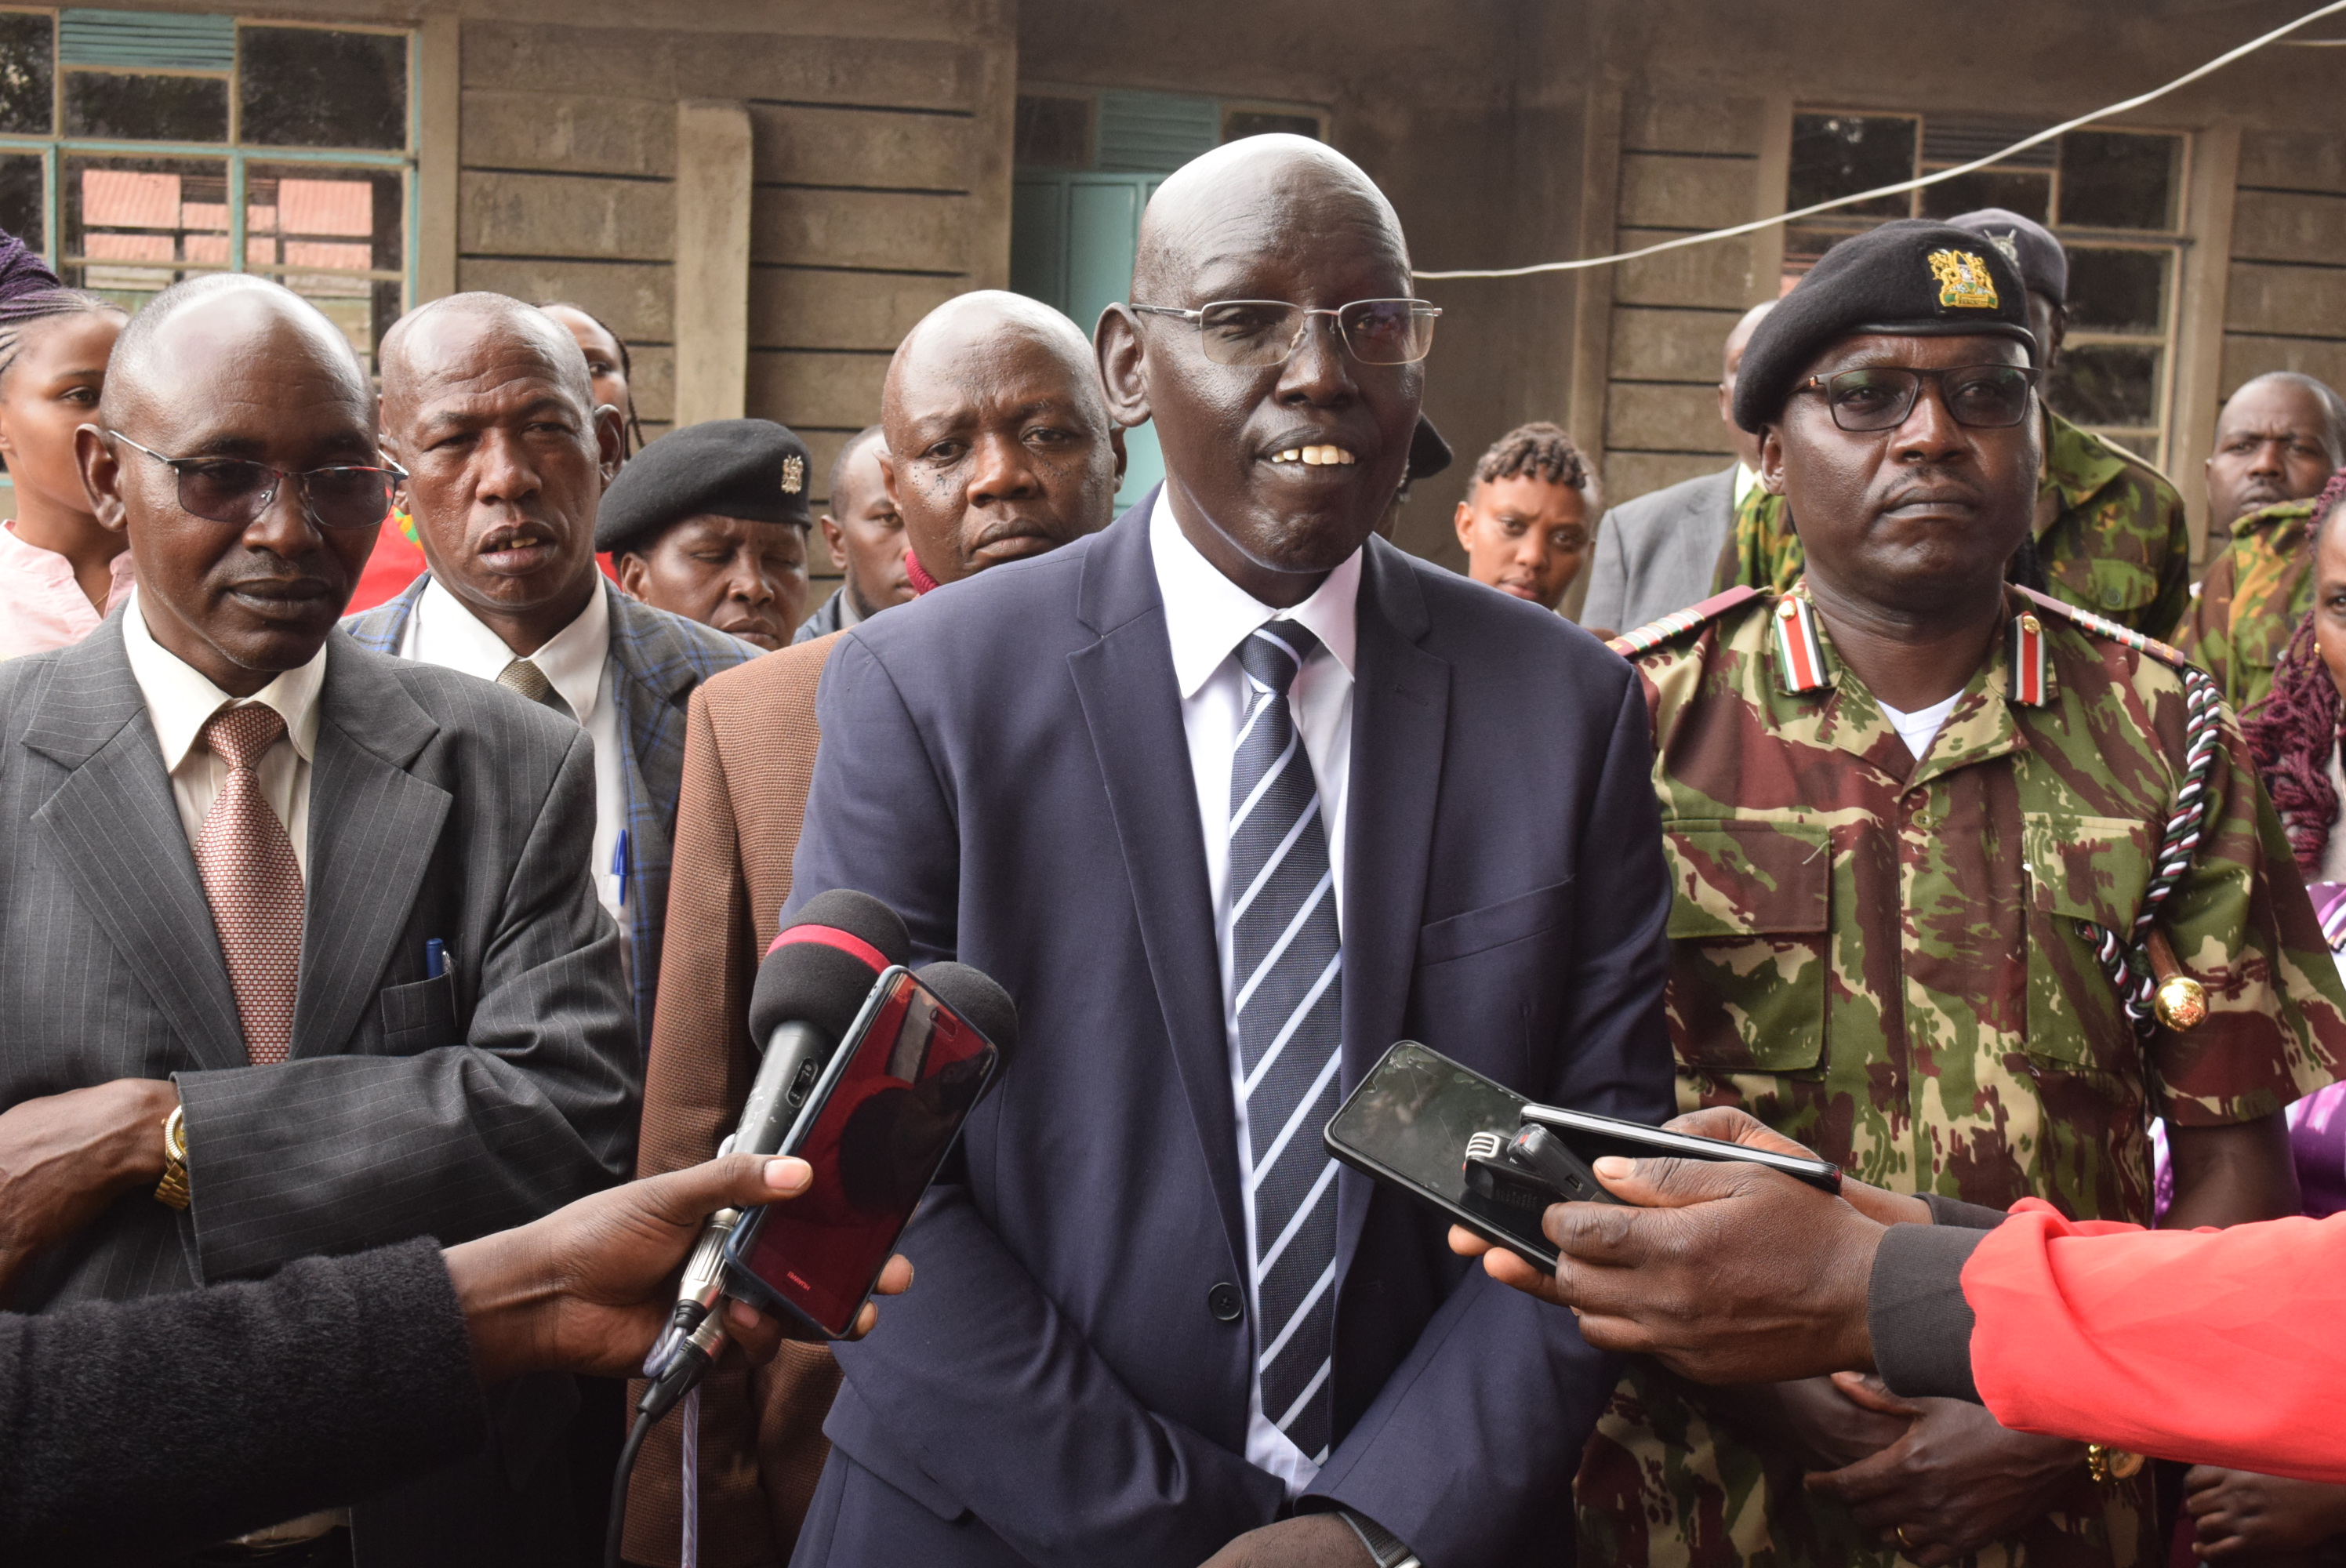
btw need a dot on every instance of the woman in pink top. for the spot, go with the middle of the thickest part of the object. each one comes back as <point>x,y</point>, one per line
<point>60,573</point>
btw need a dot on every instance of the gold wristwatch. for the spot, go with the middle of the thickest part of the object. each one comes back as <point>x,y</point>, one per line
<point>2112,1464</point>
<point>173,1189</point>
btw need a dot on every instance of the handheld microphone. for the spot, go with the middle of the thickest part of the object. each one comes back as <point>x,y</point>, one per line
<point>811,984</point>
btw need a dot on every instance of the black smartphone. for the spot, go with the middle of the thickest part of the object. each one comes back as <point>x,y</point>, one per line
<point>876,1128</point>
<point>1408,1124</point>
<point>1592,1137</point>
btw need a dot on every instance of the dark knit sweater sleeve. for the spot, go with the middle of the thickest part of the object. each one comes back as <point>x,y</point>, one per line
<point>174,1421</point>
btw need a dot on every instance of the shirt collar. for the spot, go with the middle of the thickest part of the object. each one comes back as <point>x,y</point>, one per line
<point>1207,616</point>
<point>1744,481</point>
<point>179,699</point>
<point>571,659</point>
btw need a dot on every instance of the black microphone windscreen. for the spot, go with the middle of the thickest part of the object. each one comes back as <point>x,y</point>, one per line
<point>977,996</point>
<point>822,963</point>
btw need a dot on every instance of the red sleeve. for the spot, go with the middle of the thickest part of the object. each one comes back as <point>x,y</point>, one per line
<point>2216,1347</point>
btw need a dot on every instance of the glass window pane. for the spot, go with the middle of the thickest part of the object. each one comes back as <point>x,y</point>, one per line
<point>130,221</point>
<point>28,74</point>
<point>2025,191</point>
<point>322,232</point>
<point>2118,179</point>
<point>2117,290</point>
<point>1840,155</point>
<point>22,211</point>
<point>305,86</point>
<point>146,108</point>
<point>2106,383</point>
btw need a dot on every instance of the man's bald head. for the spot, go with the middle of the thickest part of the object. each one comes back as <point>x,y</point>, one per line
<point>242,573</point>
<point>2279,438</point>
<point>218,317</point>
<point>488,403</point>
<point>971,329</point>
<point>999,440</point>
<point>1280,459</point>
<point>1228,202</point>
<point>447,339</point>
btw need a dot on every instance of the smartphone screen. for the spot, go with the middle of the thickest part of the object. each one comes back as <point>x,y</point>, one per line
<point>882,1120</point>
<point>1408,1124</point>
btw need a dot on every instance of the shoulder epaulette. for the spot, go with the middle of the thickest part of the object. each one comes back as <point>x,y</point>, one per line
<point>2102,627</point>
<point>1654,634</point>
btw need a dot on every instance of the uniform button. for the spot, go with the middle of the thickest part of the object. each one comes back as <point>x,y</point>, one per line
<point>1225,1303</point>
<point>2112,596</point>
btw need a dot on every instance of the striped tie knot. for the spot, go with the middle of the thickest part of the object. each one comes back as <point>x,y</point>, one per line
<point>1273,654</point>
<point>241,736</point>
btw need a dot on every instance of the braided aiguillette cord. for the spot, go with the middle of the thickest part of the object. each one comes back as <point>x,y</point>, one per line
<point>2186,826</point>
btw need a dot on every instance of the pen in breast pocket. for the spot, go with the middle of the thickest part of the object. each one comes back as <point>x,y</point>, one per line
<point>436,958</point>
<point>619,872</point>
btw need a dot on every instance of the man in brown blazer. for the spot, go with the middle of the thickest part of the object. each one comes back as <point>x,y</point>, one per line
<point>999,447</point>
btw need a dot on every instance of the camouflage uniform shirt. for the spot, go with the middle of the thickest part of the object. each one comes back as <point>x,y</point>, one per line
<point>1880,957</point>
<point>2253,598</point>
<point>2110,532</point>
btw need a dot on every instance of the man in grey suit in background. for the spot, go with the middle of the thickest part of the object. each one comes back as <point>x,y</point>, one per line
<point>1657,553</point>
<point>298,953</point>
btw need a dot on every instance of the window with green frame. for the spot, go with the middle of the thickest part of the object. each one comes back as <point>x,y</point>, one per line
<point>140,147</point>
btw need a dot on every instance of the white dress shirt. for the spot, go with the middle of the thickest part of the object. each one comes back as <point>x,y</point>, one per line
<point>1207,616</point>
<point>178,703</point>
<point>1744,479</point>
<point>575,661</point>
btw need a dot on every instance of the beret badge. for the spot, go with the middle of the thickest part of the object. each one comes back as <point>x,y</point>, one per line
<point>1964,281</point>
<point>793,474</point>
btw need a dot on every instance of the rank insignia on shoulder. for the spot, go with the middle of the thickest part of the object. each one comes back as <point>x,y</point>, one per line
<point>2027,684</point>
<point>1799,651</point>
<point>1677,623</point>
<point>2165,653</point>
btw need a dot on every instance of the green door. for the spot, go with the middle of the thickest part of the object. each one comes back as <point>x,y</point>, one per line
<point>1072,240</point>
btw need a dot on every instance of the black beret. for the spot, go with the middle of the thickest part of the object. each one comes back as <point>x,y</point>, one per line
<point>1429,454</point>
<point>750,468</point>
<point>2027,245</point>
<point>1912,278</point>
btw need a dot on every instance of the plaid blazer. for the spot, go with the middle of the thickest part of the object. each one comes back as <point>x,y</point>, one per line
<point>657,660</point>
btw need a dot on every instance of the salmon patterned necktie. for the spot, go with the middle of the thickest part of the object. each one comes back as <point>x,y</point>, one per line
<point>254,883</point>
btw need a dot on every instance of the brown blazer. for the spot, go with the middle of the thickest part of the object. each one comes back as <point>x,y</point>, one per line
<point>748,758</point>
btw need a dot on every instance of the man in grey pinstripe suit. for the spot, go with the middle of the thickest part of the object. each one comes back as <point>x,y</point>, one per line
<point>461,1055</point>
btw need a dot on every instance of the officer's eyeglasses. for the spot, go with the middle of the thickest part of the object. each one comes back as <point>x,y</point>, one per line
<point>1880,397</point>
<point>1266,331</point>
<point>231,490</point>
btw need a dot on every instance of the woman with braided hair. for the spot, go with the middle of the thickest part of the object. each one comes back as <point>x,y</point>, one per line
<point>2294,734</point>
<point>60,571</point>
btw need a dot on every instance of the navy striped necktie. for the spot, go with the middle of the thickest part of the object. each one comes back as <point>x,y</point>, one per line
<point>1287,959</point>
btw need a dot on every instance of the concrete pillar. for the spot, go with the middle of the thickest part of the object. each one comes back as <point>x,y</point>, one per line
<point>712,260</point>
<point>439,104</point>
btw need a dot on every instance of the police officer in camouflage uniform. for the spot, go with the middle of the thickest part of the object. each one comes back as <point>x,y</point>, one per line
<point>2253,598</point>
<point>2109,528</point>
<point>1913,814</point>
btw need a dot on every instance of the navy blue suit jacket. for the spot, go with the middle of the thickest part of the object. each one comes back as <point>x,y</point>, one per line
<point>1003,762</point>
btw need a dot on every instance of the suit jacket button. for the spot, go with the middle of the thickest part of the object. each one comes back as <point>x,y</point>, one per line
<point>1225,1303</point>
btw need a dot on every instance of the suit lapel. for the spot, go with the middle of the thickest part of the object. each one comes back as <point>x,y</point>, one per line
<point>1131,703</point>
<point>373,827</point>
<point>1401,707</point>
<point>116,829</point>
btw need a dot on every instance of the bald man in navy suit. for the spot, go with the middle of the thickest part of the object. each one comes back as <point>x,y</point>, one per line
<point>1231,796</point>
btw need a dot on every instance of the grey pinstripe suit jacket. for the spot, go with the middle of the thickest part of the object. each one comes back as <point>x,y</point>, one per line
<point>441,807</point>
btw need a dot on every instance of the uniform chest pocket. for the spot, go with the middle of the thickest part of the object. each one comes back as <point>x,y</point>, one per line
<point>2082,871</point>
<point>1750,924</point>
<point>2105,584</point>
